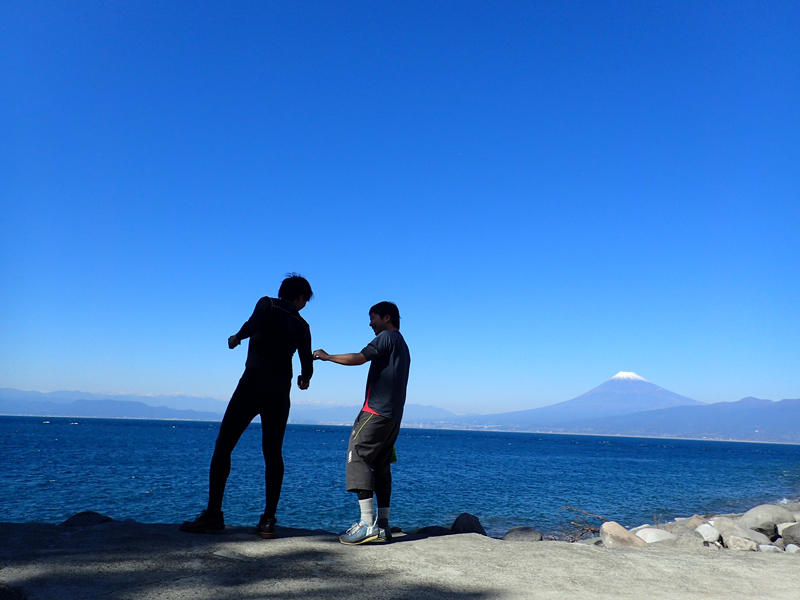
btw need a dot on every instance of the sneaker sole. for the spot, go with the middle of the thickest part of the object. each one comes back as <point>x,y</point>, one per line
<point>366,540</point>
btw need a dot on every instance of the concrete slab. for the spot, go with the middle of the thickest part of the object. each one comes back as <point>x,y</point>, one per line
<point>133,561</point>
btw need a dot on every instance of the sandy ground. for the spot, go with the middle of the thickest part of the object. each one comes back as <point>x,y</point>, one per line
<point>126,560</point>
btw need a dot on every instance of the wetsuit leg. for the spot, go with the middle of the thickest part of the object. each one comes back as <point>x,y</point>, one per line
<point>242,409</point>
<point>274,415</point>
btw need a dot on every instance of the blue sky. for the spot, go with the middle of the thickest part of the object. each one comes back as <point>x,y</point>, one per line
<point>551,193</point>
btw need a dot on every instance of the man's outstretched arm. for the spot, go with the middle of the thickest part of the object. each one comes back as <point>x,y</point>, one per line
<point>352,359</point>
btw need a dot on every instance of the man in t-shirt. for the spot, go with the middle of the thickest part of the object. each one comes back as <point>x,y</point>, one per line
<point>371,446</point>
<point>276,330</point>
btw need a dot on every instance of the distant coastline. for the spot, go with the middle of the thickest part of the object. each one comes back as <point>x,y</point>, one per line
<point>425,427</point>
<point>626,406</point>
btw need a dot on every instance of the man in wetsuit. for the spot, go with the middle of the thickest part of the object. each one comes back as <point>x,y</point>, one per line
<point>371,446</point>
<point>276,330</point>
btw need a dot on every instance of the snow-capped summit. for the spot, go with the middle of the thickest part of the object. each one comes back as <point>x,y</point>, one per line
<point>629,375</point>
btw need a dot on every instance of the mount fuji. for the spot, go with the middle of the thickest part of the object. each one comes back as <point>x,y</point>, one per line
<point>623,394</point>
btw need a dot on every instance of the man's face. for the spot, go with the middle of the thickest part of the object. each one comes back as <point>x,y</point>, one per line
<point>378,323</point>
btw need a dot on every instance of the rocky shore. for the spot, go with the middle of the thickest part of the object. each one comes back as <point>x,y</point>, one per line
<point>91,556</point>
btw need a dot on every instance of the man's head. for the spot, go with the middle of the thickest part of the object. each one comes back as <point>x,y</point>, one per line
<point>294,287</point>
<point>383,316</point>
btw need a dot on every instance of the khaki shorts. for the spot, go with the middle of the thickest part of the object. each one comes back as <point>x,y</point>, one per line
<point>369,453</point>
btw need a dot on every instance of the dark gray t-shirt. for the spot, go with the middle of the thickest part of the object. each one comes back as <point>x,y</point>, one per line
<point>388,375</point>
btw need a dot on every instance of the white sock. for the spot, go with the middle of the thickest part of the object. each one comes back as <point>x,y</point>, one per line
<point>367,511</point>
<point>383,512</point>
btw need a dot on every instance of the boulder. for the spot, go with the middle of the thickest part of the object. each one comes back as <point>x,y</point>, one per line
<point>780,543</point>
<point>684,541</point>
<point>728,527</point>
<point>682,530</point>
<point>652,535</point>
<point>792,549</point>
<point>783,526</point>
<point>791,535</point>
<point>691,523</point>
<point>467,523</point>
<point>708,532</point>
<point>86,519</point>
<point>769,548</point>
<point>734,542</point>
<point>765,519</point>
<point>615,535</point>
<point>523,534</point>
<point>696,521</point>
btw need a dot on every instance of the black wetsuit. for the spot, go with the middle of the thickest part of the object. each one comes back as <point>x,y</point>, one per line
<point>276,330</point>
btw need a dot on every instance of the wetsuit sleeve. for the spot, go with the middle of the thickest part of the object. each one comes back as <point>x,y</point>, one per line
<point>379,346</point>
<point>306,359</point>
<point>257,319</point>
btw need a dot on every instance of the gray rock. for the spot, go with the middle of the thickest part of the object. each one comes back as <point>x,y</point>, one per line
<point>86,519</point>
<point>709,533</point>
<point>467,523</point>
<point>652,535</point>
<point>683,541</point>
<point>523,534</point>
<point>724,523</point>
<point>765,519</point>
<point>780,543</point>
<point>734,542</point>
<point>783,526</point>
<point>615,535</point>
<point>792,549</point>
<point>791,535</point>
<point>729,527</point>
<point>769,548</point>
<point>691,523</point>
<point>682,530</point>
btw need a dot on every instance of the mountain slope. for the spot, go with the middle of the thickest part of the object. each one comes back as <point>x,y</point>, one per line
<point>750,419</point>
<point>624,393</point>
<point>111,409</point>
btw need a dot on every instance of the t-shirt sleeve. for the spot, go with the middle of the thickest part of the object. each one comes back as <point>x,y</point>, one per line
<point>382,344</point>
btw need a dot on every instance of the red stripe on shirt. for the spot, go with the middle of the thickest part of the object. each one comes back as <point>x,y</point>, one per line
<point>366,407</point>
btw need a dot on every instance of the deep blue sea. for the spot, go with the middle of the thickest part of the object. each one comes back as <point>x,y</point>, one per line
<point>156,471</point>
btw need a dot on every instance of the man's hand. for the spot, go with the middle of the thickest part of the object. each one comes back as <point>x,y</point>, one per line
<point>353,359</point>
<point>233,341</point>
<point>302,383</point>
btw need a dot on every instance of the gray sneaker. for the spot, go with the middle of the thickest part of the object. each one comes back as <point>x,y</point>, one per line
<point>386,531</point>
<point>360,533</point>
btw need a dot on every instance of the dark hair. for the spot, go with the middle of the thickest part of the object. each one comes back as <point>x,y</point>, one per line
<point>295,286</point>
<point>387,308</point>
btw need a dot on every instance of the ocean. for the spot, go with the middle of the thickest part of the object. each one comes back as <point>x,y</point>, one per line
<point>157,472</point>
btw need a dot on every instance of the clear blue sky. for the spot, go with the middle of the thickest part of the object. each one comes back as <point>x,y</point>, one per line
<point>552,192</point>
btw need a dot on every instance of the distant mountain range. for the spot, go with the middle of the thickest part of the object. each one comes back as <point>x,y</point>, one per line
<point>748,419</point>
<point>627,404</point>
